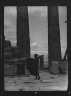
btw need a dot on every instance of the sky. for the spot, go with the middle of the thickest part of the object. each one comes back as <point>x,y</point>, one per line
<point>38,27</point>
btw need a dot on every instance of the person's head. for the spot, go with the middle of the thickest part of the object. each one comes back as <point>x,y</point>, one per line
<point>36,55</point>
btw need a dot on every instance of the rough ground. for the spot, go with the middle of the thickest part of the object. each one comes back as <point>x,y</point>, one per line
<point>47,82</point>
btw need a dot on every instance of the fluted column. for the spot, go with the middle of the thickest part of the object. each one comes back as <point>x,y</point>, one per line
<point>23,39</point>
<point>54,46</point>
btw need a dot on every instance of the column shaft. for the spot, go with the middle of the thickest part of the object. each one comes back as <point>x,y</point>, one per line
<point>54,46</point>
<point>23,39</point>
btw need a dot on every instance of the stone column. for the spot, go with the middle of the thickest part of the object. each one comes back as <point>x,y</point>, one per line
<point>54,46</point>
<point>41,62</point>
<point>66,54</point>
<point>23,39</point>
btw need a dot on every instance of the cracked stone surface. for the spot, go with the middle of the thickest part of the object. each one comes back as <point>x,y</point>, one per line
<point>47,82</point>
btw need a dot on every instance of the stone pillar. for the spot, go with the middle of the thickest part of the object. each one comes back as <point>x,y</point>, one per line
<point>23,39</point>
<point>54,46</point>
<point>41,62</point>
<point>66,54</point>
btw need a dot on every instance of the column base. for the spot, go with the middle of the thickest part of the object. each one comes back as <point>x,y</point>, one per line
<point>54,69</point>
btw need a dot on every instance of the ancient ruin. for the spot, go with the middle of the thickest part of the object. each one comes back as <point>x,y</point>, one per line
<point>19,55</point>
<point>23,39</point>
<point>54,45</point>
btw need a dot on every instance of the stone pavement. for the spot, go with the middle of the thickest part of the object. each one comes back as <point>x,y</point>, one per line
<point>47,82</point>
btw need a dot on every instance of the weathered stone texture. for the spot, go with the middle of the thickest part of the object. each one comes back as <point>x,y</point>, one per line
<point>23,40</point>
<point>54,46</point>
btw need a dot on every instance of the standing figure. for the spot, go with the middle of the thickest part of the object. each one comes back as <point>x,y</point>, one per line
<point>36,62</point>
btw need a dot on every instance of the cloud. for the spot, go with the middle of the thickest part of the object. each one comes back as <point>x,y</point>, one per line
<point>13,42</point>
<point>41,48</point>
<point>34,44</point>
<point>63,48</point>
<point>35,8</point>
<point>62,15</point>
<point>62,10</point>
<point>39,52</point>
<point>9,16</point>
<point>38,11</point>
<point>11,10</point>
<point>10,23</point>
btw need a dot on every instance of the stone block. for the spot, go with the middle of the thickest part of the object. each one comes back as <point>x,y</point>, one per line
<point>20,68</point>
<point>63,65</point>
<point>54,69</point>
<point>10,70</point>
<point>26,71</point>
